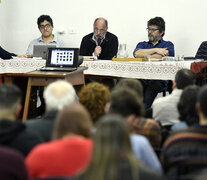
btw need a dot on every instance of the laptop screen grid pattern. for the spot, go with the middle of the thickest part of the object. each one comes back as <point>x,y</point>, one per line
<point>62,57</point>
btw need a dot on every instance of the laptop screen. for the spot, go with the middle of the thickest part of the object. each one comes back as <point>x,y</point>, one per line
<point>62,57</point>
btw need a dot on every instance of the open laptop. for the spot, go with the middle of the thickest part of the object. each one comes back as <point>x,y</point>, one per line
<point>40,51</point>
<point>61,59</point>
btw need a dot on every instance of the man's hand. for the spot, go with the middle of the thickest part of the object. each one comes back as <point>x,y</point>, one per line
<point>162,51</point>
<point>97,51</point>
<point>24,56</point>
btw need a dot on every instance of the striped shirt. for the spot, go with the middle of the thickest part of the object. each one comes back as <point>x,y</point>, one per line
<point>202,51</point>
<point>186,149</point>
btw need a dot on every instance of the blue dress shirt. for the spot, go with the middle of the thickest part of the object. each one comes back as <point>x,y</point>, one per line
<point>161,44</point>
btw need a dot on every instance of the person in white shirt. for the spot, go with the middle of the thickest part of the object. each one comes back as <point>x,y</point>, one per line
<point>164,109</point>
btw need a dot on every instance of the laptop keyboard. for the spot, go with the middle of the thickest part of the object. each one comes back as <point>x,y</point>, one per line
<point>58,69</point>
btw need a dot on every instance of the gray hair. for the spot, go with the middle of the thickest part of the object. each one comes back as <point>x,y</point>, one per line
<point>59,94</point>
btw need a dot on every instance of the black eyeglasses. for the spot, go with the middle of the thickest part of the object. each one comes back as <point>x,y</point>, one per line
<point>153,30</point>
<point>47,26</point>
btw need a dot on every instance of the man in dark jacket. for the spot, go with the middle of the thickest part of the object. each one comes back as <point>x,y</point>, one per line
<point>12,132</point>
<point>100,44</point>
<point>57,95</point>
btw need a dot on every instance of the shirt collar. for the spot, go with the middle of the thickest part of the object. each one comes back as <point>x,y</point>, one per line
<point>160,41</point>
<point>54,39</point>
<point>93,38</point>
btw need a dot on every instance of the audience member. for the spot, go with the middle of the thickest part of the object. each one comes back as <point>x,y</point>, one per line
<point>188,115</point>
<point>45,25</point>
<point>57,95</point>
<point>185,151</point>
<point>156,47</point>
<point>101,44</point>
<point>202,51</point>
<point>112,155</point>
<point>133,84</point>
<point>94,96</point>
<point>12,165</point>
<point>165,108</point>
<point>13,133</point>
<point>71,149</point>
<point>131,108</point>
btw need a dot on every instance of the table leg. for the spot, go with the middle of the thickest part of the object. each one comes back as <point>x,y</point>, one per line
<point>26,104</point>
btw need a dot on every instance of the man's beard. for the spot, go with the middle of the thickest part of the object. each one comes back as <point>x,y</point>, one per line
<point>153,38</point>
<point>99,36</point>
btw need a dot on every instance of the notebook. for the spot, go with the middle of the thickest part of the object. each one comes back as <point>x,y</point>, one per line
<point>61,59</point>
<point>41,50</point>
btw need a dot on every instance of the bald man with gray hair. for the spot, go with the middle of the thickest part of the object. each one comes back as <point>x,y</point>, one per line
<point>57,95</point>
<point>100,44</point>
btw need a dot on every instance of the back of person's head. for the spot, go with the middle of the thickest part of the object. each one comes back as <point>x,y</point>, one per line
<point>184,78</point>
<point>187,105</point>
<point>12,166</point>
<point>133,84</point>
<point>159,22</point>
<point>112,154</point>
<point>43,18</point>
<point>125,102</point>
<point>202,100</point>
<point>94,97</point>
<point>59,94</point>
<point>10,98</point>
<point>72,120</point>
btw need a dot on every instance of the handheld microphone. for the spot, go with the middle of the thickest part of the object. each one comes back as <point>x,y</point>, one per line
<point>99,41</point>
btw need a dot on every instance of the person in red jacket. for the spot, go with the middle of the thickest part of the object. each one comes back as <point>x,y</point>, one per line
<point>71,148</point>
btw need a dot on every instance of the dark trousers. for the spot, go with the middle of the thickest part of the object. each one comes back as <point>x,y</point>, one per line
<point>151,89</point>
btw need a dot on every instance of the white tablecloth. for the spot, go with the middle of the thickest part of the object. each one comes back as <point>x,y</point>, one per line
<point>164,70</point>
<point>139,70</point>
<point>20,65</point>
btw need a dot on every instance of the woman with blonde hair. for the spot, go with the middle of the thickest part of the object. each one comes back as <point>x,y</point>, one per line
<point>112,155</point>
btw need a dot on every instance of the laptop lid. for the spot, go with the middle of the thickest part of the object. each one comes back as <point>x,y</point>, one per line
<point>41,50</point>
<point>62,57</point>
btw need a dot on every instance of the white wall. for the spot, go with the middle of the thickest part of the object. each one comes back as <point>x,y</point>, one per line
<point>185,21</point>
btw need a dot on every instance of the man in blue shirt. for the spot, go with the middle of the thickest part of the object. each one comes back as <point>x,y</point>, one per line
<point>157,48</point>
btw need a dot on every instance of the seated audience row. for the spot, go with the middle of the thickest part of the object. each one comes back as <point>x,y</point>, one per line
<point>185,151</point>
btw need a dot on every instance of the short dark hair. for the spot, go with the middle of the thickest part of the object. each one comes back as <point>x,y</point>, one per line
<point>159,22</point>
<point>133,84</point>
<point>184,78</point>
<point>106,22</point>
<point>125,102</point>
<point>10,94</point>
<point>187,105</point>
<point>202,99</point>
<point>43,18</point>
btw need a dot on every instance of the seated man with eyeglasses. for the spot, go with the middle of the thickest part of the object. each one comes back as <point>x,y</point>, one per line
<point>45,25</point>
<point>100,44</point>
<point>157,48</point>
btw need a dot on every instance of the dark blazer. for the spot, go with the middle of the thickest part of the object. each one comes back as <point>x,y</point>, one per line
<point>13,134</point>
<point>42,126</point>
<point>109,46</point>
<point>5,54</point>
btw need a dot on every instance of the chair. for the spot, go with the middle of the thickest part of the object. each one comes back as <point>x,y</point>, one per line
<point>169,88</point>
